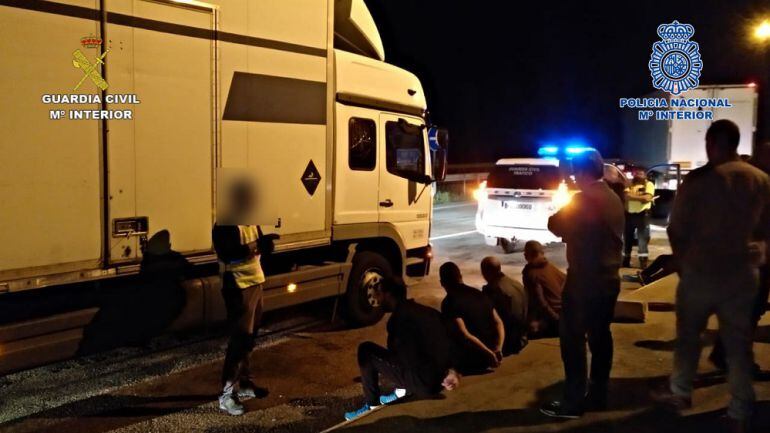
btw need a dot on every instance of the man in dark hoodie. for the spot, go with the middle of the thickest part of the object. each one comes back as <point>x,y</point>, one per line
<point>417,359</point>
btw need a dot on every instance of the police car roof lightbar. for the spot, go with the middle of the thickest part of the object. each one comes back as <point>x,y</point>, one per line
<point>568,151</point>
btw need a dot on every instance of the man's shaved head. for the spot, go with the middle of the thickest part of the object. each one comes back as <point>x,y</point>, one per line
<point>533,250</point>
<point>491,268</point>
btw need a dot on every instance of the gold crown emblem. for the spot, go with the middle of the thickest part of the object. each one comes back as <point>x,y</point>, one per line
<point>90,41</point>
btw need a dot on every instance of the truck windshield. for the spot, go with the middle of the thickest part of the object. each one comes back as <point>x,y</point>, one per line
<point>545,177</point>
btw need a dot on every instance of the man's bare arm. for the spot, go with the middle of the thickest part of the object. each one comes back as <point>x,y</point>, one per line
<point>475,341</point>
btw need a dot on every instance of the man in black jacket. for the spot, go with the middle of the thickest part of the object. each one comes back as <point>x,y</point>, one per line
<point>417,359</point>
<point>592,226</point>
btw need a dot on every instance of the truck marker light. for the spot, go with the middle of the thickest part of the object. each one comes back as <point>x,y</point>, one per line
<point>291,288</point>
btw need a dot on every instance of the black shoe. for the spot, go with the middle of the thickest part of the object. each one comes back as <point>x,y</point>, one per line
<point>626,262</point>
<point>596,401</point>
<point>557,409</point>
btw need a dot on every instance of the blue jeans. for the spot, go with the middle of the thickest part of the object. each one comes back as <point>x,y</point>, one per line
<point>730,295</point>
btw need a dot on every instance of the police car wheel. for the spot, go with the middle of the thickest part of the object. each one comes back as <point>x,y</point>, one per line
<point>369,268</point>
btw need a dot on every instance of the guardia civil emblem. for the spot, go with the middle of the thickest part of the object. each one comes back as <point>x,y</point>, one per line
<point>675,63</point>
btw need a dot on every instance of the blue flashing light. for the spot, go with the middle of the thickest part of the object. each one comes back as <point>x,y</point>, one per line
<point>577,150</point>
<point>548,151</point>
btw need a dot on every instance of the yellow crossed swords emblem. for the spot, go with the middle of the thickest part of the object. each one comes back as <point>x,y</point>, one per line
<point>89,71</point>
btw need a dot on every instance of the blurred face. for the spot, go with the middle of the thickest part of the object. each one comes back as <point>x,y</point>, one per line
<point>243,200</point>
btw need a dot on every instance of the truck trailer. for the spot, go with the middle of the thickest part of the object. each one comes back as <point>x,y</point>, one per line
<point>682,142</point>
<point>295,91</point>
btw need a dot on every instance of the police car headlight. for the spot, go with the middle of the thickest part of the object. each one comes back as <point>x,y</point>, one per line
<point>561,197</point>
<point>480,193</point>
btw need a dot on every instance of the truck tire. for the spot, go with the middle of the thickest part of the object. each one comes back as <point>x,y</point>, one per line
<point>369,268</point>
<point>508,245</point>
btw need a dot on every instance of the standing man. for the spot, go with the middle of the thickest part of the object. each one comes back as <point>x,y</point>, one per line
<point>510,301</point>
<point>638,203</point>
<point>417,359</point>
<point>720,212</point>
<point>474,326</point>
<point>238,248</point>
<point>592,227</point>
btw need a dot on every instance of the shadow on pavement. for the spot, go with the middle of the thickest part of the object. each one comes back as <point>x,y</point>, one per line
<point>626,393</point>
<point>646,421</point>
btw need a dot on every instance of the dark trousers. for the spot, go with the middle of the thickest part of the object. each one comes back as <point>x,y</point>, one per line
<point>515,337</point>
<point>586,315</point>
<point>244,311</point>
<point>375,360</point>
<point>636,224</point>
<point>662,266</point>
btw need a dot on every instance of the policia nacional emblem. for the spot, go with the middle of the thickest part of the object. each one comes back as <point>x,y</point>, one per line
<point>675,63</point>
<point>311,178</point>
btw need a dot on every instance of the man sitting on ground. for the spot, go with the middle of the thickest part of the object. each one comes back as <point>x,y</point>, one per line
<point>475,327</point>
<point>544,283</point>
<point>417,359</point>
<point>510,301</point>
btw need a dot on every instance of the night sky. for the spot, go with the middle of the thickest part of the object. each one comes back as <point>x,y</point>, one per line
<point>504,80</point>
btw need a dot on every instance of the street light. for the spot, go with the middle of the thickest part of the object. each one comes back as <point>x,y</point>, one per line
<point>762,31</point>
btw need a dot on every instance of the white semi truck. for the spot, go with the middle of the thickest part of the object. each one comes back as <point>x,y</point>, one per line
<point>296,91</point>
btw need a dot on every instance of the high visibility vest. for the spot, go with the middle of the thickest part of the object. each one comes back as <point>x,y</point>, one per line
<point>247,272</point>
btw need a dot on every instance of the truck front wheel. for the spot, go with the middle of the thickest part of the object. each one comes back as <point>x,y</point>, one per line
<point>368,270</point>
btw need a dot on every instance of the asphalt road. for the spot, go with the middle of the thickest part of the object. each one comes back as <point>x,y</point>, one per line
<point>311,376</point>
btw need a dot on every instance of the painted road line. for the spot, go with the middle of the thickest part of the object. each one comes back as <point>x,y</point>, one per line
<point>452,206</point>
<point>453,235</point>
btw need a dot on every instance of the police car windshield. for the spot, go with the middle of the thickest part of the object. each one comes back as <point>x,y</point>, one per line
<point>522,176</point>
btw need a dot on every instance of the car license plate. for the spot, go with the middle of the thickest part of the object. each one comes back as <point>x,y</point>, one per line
<point>510,205</point>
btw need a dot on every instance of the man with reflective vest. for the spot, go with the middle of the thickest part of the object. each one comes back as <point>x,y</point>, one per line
<point>238,248</point>
<point>639,198</point>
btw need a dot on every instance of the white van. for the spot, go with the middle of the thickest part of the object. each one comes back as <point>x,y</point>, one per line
<point>518,197</point>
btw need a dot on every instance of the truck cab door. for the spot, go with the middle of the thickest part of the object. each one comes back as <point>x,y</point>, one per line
<point>404,155</point>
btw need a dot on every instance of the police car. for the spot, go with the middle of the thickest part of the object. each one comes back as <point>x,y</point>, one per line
<point>519,196</point>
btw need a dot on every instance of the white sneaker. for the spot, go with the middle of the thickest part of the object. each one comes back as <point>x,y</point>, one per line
<point>246,393</point>
<point>231,405</point>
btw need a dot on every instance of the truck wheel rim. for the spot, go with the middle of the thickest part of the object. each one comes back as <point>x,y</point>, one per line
<point>371,282</point>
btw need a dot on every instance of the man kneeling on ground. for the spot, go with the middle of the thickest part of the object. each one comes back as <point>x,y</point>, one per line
<point>417,359</point>
<point>544,283</point>
<point>510,301</point>
<point>476,330</point>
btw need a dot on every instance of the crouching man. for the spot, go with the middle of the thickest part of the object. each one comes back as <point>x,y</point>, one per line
<point>417,359</point>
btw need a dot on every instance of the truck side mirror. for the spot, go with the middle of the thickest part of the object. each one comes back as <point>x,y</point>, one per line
<point>439,165</point>
<point>440,154</point>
